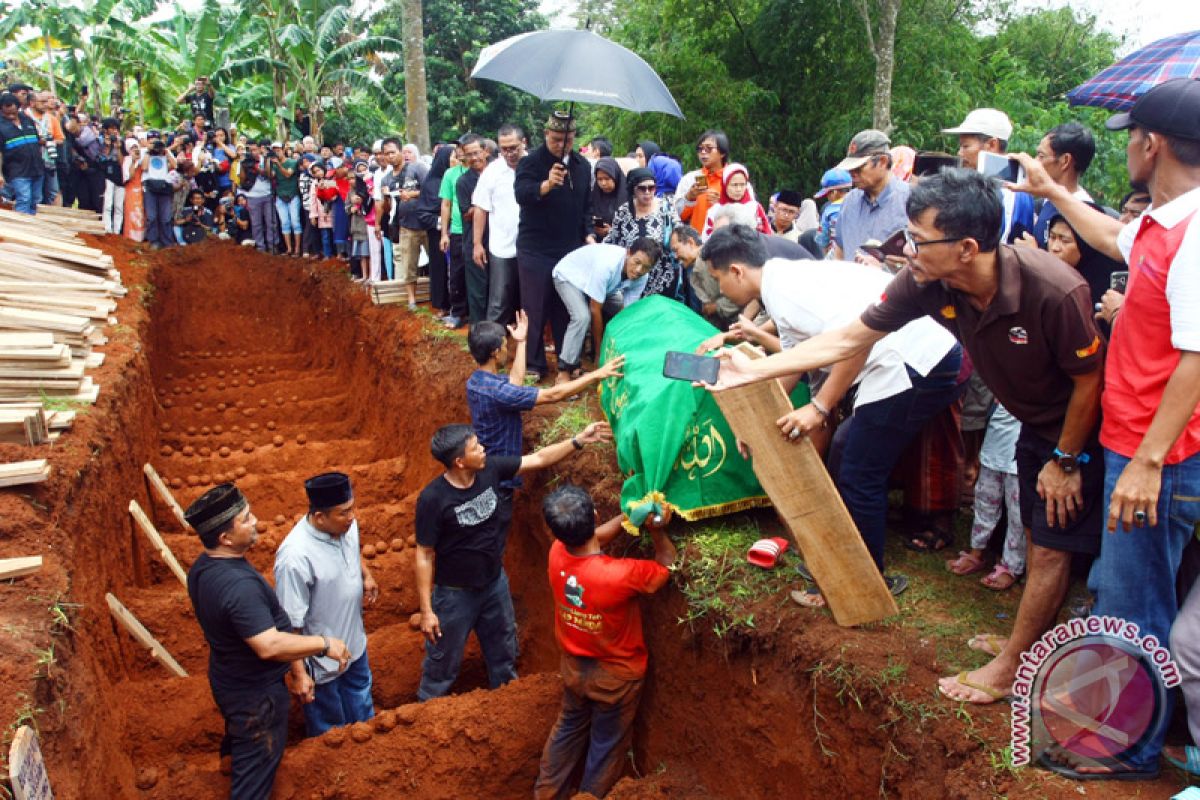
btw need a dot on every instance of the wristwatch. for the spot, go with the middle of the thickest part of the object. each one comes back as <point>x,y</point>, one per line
<point>577,444</point>
<point>324,652</point>
<point>1069,462</point>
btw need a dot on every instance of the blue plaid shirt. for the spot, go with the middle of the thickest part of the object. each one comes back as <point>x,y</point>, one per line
<point>496,407</point>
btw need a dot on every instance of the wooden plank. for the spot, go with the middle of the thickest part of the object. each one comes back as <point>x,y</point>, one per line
<point>152,534</point>
<point>16,567</point>
<point>22,341</point>
<point>18,473</point>
<point>166,495</point>
<point>130,623</point>
<point>26,768</point>
<point>795,479</point>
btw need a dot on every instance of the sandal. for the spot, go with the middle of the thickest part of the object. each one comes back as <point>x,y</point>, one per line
<point>809,598</point>
<point>967,563</point>
<point>1000,578</point>
<point>930,541</point>
<point>988,643</point>
<point>1190,763</point>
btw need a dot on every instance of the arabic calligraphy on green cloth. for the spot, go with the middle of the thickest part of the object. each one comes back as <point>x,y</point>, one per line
<point>673,444</point>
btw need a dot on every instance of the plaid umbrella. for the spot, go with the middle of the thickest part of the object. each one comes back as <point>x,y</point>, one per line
<point>1118,87</point>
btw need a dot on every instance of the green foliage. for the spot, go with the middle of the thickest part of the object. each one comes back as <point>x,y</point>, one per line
<point>455,33</point>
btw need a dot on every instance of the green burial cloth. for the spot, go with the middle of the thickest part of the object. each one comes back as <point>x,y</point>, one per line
<point>674,446</point>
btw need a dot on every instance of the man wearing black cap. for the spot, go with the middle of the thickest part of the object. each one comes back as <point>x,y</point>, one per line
<point>1151,403</point>
<point>249,647</point>
<point>322,582</point>
<point>553,186</point>
<point>462,527</point>
<point>21,166</point>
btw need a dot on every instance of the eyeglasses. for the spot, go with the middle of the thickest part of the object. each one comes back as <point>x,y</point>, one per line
<point>516,148</point>
<point>705,148</point>
<point>645,188</point>
<point>916,246</point>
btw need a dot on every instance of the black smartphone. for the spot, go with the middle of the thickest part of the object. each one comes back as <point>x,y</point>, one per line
<point>933,163</point>
<point>1118,280</point>
<point>691,367</point>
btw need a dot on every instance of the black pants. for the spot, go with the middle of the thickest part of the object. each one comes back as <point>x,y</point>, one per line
<point>89,188</point>
<point>457,277</point>
<point>476,279</point>
<point>439,279</point>
<point>541,303</point>
<point>256,724</point>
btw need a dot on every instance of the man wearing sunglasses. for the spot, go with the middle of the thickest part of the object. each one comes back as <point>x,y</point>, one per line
<point>1026,320</point>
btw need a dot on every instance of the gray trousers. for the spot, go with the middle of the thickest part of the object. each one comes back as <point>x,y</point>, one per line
<point>579,309</point>
<point>1185,648</point>
<point>502,289</point>
<point>262,222</point>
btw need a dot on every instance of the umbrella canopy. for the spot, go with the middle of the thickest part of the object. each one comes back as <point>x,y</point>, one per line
<point>1118,87</point>
<point>579,66</point>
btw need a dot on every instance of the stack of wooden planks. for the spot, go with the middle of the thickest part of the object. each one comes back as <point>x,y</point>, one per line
<point>388,292</point>
<point>56,296</point>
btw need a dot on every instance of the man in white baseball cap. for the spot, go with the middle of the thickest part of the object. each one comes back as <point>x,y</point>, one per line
<point>988,130</point>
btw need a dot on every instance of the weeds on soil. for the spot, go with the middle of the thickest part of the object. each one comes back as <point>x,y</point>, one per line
<point>573,418</point>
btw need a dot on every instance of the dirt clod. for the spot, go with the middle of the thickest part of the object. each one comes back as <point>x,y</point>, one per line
<point>361,732</point>
<point>397,544</point>
<point>385,720</point>
<point>406,715</point>
<point>146,778</point>
<point>247,446</point>
<point>301,439</point>
<point>277,441</point>
<point>166,450</point>
<point>368,551</point>
<point>411,540</point>
<point>224,452</point>
<point>334,737</point>
<point>381,546</point>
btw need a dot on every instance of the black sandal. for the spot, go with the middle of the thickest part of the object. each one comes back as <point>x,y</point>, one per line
<point>929,541</point>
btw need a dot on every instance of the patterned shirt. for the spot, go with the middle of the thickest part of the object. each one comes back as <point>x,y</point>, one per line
<point>664,276</point>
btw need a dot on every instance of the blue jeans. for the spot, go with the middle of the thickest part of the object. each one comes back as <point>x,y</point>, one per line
<point>389,270</point>
<point>256,724</point>
<point>1134,576</point>
<point>327,242</point>
<point>342,701</point>
<point>289,215</point>
<point>489,612</point>
<point>877,436</point>
<point>598,709</point>
<point>49,186</point>
<point>27,193</point>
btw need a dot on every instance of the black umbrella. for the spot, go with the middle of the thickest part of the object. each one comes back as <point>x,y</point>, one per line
<point>578,66</point>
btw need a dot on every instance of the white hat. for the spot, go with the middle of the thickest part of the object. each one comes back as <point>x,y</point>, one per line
<point>990,122</point>
<point>276,144</point>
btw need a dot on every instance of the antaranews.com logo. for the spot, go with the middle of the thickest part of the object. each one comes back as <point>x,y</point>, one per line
<point>1093,687</point>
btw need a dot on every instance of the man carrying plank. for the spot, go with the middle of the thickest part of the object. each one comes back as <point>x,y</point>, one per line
<point>1025,319</point>
<point>902,382</point>
<point>250,649</point>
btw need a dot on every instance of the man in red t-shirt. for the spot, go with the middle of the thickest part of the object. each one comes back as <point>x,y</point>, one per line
<point>599,626</point>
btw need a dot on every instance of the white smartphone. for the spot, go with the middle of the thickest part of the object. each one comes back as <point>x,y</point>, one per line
<point>999,166</point>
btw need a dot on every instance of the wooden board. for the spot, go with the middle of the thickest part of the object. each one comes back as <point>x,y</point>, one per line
<point>130,623</point>
<point>166,495</point>
<point>795,479</point>
<point>16,567</point>
<point>26,768</point>
<point>22,472</point>
<point>156,539</point>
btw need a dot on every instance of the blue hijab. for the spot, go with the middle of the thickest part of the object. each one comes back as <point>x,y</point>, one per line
<point>667,174</point>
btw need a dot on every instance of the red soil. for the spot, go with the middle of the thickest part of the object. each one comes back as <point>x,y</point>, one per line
<point>344,385</point>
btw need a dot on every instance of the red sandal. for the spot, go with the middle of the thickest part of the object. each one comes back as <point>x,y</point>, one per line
<point>1001,578</point>
<point>966,564</point>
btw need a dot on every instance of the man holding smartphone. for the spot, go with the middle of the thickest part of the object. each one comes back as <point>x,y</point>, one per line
<point>987,130</point>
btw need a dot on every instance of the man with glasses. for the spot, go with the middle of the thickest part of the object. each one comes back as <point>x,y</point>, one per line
<point>1025,319</point>
<point>874,209</point>
<point>1065,153</point>
<point>553,186</point>
<point>701,190</point>
<point>496,210</point>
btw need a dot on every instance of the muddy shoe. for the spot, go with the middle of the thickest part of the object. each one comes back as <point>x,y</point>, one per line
<point>896,584</point>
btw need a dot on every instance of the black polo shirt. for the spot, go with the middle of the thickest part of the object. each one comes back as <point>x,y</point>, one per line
<point>21,148</point>
<point>1038,331</point>
<point>557,223</point>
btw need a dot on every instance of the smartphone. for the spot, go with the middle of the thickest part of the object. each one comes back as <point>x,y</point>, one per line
<point>691,367</point>
<point>1118,280</point>
<point>933,163</point>
<point>995,165</point>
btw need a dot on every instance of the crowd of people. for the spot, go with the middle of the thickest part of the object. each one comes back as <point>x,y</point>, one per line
<point>964,338</point>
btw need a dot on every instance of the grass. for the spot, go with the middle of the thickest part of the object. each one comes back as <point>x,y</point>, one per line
<point>62,404</point>
<point>572,418</point>
<point>434,329</point>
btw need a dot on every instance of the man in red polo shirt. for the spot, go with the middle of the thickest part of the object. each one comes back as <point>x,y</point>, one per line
<point>1151,405</point>
<point>599,626</point>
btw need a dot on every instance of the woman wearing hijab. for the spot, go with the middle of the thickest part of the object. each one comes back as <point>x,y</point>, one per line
<point>608,193</point>
<point>645,151</point>
<point>1095,267</point>
<point>667,173</point>
<point>736,190</point>
<point>647,215</point>
<point>429,211</point>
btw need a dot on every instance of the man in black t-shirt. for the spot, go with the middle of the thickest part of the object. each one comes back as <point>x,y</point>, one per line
<point>462,528</point>
<point>200,98</point>
<point>250,648</point>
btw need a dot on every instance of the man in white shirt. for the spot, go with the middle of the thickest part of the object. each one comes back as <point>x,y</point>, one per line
<point>496,210</point>
<point>902,381</point>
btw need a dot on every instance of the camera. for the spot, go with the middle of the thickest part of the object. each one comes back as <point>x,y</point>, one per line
<point>158,148</point>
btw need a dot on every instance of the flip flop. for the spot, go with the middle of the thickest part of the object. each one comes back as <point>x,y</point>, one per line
<point>1000,579</point>
<point>810,598</point>
<point>929,541</point>
<point>967,563</point>
<point>1070,773</point>
<point>765,553</point>
<point>988,643</point>
<point>995,695</point>
<point>1192,765</point>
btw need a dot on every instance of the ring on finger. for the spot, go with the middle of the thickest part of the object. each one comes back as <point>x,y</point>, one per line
<point>1139,516</point>
<point>795,434</point>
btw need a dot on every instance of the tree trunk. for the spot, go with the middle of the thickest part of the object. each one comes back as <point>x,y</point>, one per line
<point>416,103</point>
<point>49,60</point>
<point>881,38</point>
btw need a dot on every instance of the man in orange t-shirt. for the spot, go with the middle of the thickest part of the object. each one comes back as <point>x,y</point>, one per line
<point>599,626</point>
<point>701,190</point>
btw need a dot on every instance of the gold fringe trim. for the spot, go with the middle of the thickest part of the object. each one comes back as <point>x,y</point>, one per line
<point>696,514</point>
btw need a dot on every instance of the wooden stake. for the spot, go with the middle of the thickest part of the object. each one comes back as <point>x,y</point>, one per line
<point>26,767</point>
<point>152,534</point>
<point>16,567</point>
<point>164,492</point>
<point>130,623</point>
<point>804,495</point>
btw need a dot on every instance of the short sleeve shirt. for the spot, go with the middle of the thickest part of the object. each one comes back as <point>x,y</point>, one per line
<point>446,192</point>
<point>289,187</point>
<point>596,614</point>
<point>494,194</point>
<point>234,603</point>
<point>597,270</point>
<point>1036,334</point>
<point>467,528</point>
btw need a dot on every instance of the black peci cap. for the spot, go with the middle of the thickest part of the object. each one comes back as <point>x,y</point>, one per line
<point>214,508</point>
<point>328,489</point>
